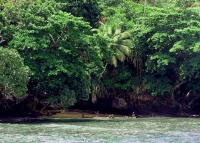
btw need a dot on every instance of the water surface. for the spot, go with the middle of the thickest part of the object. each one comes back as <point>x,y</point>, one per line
<point>140,130</point>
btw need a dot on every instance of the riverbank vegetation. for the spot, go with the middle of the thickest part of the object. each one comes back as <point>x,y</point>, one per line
<point>131,55</point>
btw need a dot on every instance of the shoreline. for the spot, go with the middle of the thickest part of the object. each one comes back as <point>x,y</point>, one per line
<point>86,115</point>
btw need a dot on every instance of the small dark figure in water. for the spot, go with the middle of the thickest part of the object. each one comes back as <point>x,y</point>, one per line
<point>133,114</point>
<point>111,116</point>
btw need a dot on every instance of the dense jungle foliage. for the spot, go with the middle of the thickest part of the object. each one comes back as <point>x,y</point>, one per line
<point>66,51</point>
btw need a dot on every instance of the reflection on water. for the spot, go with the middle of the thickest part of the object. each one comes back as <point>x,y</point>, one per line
<point>149,130</point>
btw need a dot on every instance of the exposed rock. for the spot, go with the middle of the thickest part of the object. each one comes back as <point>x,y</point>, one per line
<point>119,103</point>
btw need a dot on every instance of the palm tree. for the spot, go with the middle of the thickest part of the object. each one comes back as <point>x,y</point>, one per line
<point>121,42</point>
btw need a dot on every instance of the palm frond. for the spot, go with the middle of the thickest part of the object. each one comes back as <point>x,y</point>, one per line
<point>125,35</point>
<point>127,43</point>
<point>120,56</point>
<point>114,61</point>
<point>118,30</point>
<point>125,49</point>
<point>110,30</point>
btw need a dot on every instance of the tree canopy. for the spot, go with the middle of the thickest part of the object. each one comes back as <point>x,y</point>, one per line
<point>84,48</point>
